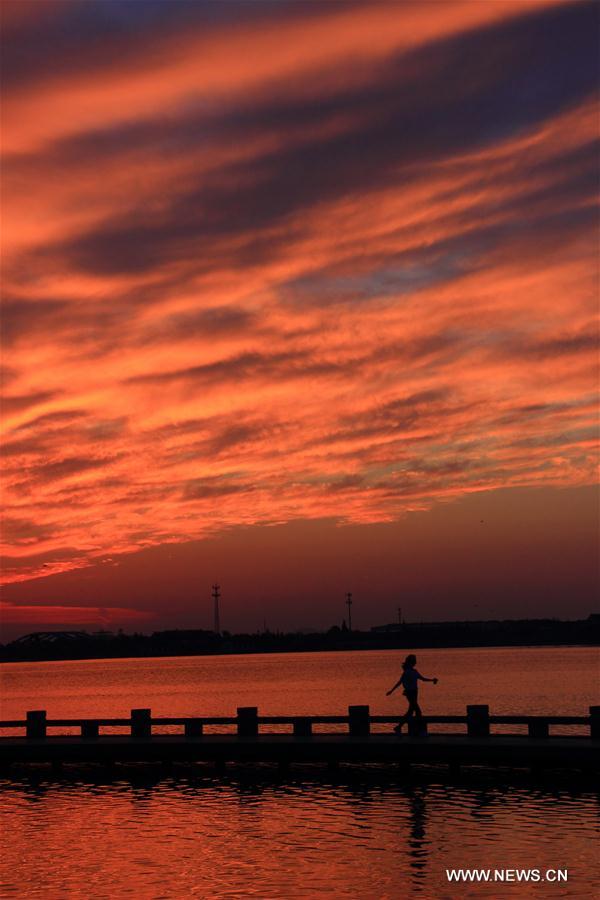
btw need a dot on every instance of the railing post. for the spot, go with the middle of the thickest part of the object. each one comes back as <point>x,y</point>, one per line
<point>89,730</point>
<point>595,723</point>
<point>538,728</point>
<point>193,728</point>
<point>359,723</point>
<point>247,723</point>
<point>36,724</point>
<point>303,726</point>
<point>478,720</point>
<point>141,723</point>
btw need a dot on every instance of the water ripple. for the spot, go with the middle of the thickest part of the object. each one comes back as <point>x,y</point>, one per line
<point>186,837</point>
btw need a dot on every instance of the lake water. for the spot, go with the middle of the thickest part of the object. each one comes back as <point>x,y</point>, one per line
<point>365,834</point>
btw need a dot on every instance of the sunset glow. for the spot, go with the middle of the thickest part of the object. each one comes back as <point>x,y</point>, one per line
<point>274,264</point>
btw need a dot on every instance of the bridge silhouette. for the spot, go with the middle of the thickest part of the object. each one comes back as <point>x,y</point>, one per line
<point>357,737</point>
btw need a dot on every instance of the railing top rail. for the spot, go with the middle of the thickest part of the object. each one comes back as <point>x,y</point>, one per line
<point>446,720</point>
<point>75,723</point>
<point>551,720</point>
<point>206,720</point>
<point>316,720</point>
<point>290,720</point>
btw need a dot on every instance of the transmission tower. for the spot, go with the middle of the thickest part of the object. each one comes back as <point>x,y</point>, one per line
<point>349,605</point>
<point>216,594</point>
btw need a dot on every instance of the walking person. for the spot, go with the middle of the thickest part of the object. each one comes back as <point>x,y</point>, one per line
<point>410,682</point>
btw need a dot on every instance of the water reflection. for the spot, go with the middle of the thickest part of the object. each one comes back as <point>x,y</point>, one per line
<point>417,842</point>
<point>483,800</point>
<point>260,834</point>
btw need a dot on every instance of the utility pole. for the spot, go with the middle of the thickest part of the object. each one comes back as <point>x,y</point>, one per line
<point>349,605</point>
<point>216,593</point>
<point>399,615</point>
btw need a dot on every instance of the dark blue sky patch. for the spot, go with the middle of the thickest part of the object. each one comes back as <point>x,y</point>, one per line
<point>468,91</point>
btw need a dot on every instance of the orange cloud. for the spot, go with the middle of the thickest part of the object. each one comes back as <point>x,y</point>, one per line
<point>331,264</point>
<point>151,76</point>
<point>69,616</point>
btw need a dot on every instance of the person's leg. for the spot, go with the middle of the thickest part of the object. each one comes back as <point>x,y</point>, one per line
<point>401,721</point>
<point>418,715</point>
<point>412,701</point>
<point>413,706</point>
<point>406,715</point>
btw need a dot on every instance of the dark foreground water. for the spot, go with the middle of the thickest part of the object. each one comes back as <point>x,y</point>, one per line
<point>368,834</point>
<point>202,837</point>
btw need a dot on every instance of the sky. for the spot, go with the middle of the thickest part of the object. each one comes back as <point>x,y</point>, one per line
<point>299,297</point>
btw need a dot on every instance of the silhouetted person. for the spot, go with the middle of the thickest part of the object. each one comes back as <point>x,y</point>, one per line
<point>410,682</point>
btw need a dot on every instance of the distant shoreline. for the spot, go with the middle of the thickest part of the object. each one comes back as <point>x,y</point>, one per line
<point>75,646</point>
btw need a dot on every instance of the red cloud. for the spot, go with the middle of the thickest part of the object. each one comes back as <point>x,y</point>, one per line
<point>295,269</point>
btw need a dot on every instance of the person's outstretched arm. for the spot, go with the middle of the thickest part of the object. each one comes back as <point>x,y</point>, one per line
<point>391,690</point>
<point>422,678</point>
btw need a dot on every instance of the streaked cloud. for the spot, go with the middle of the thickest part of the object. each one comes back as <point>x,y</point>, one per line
<point>55,616</point>
<point>284,261</point>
